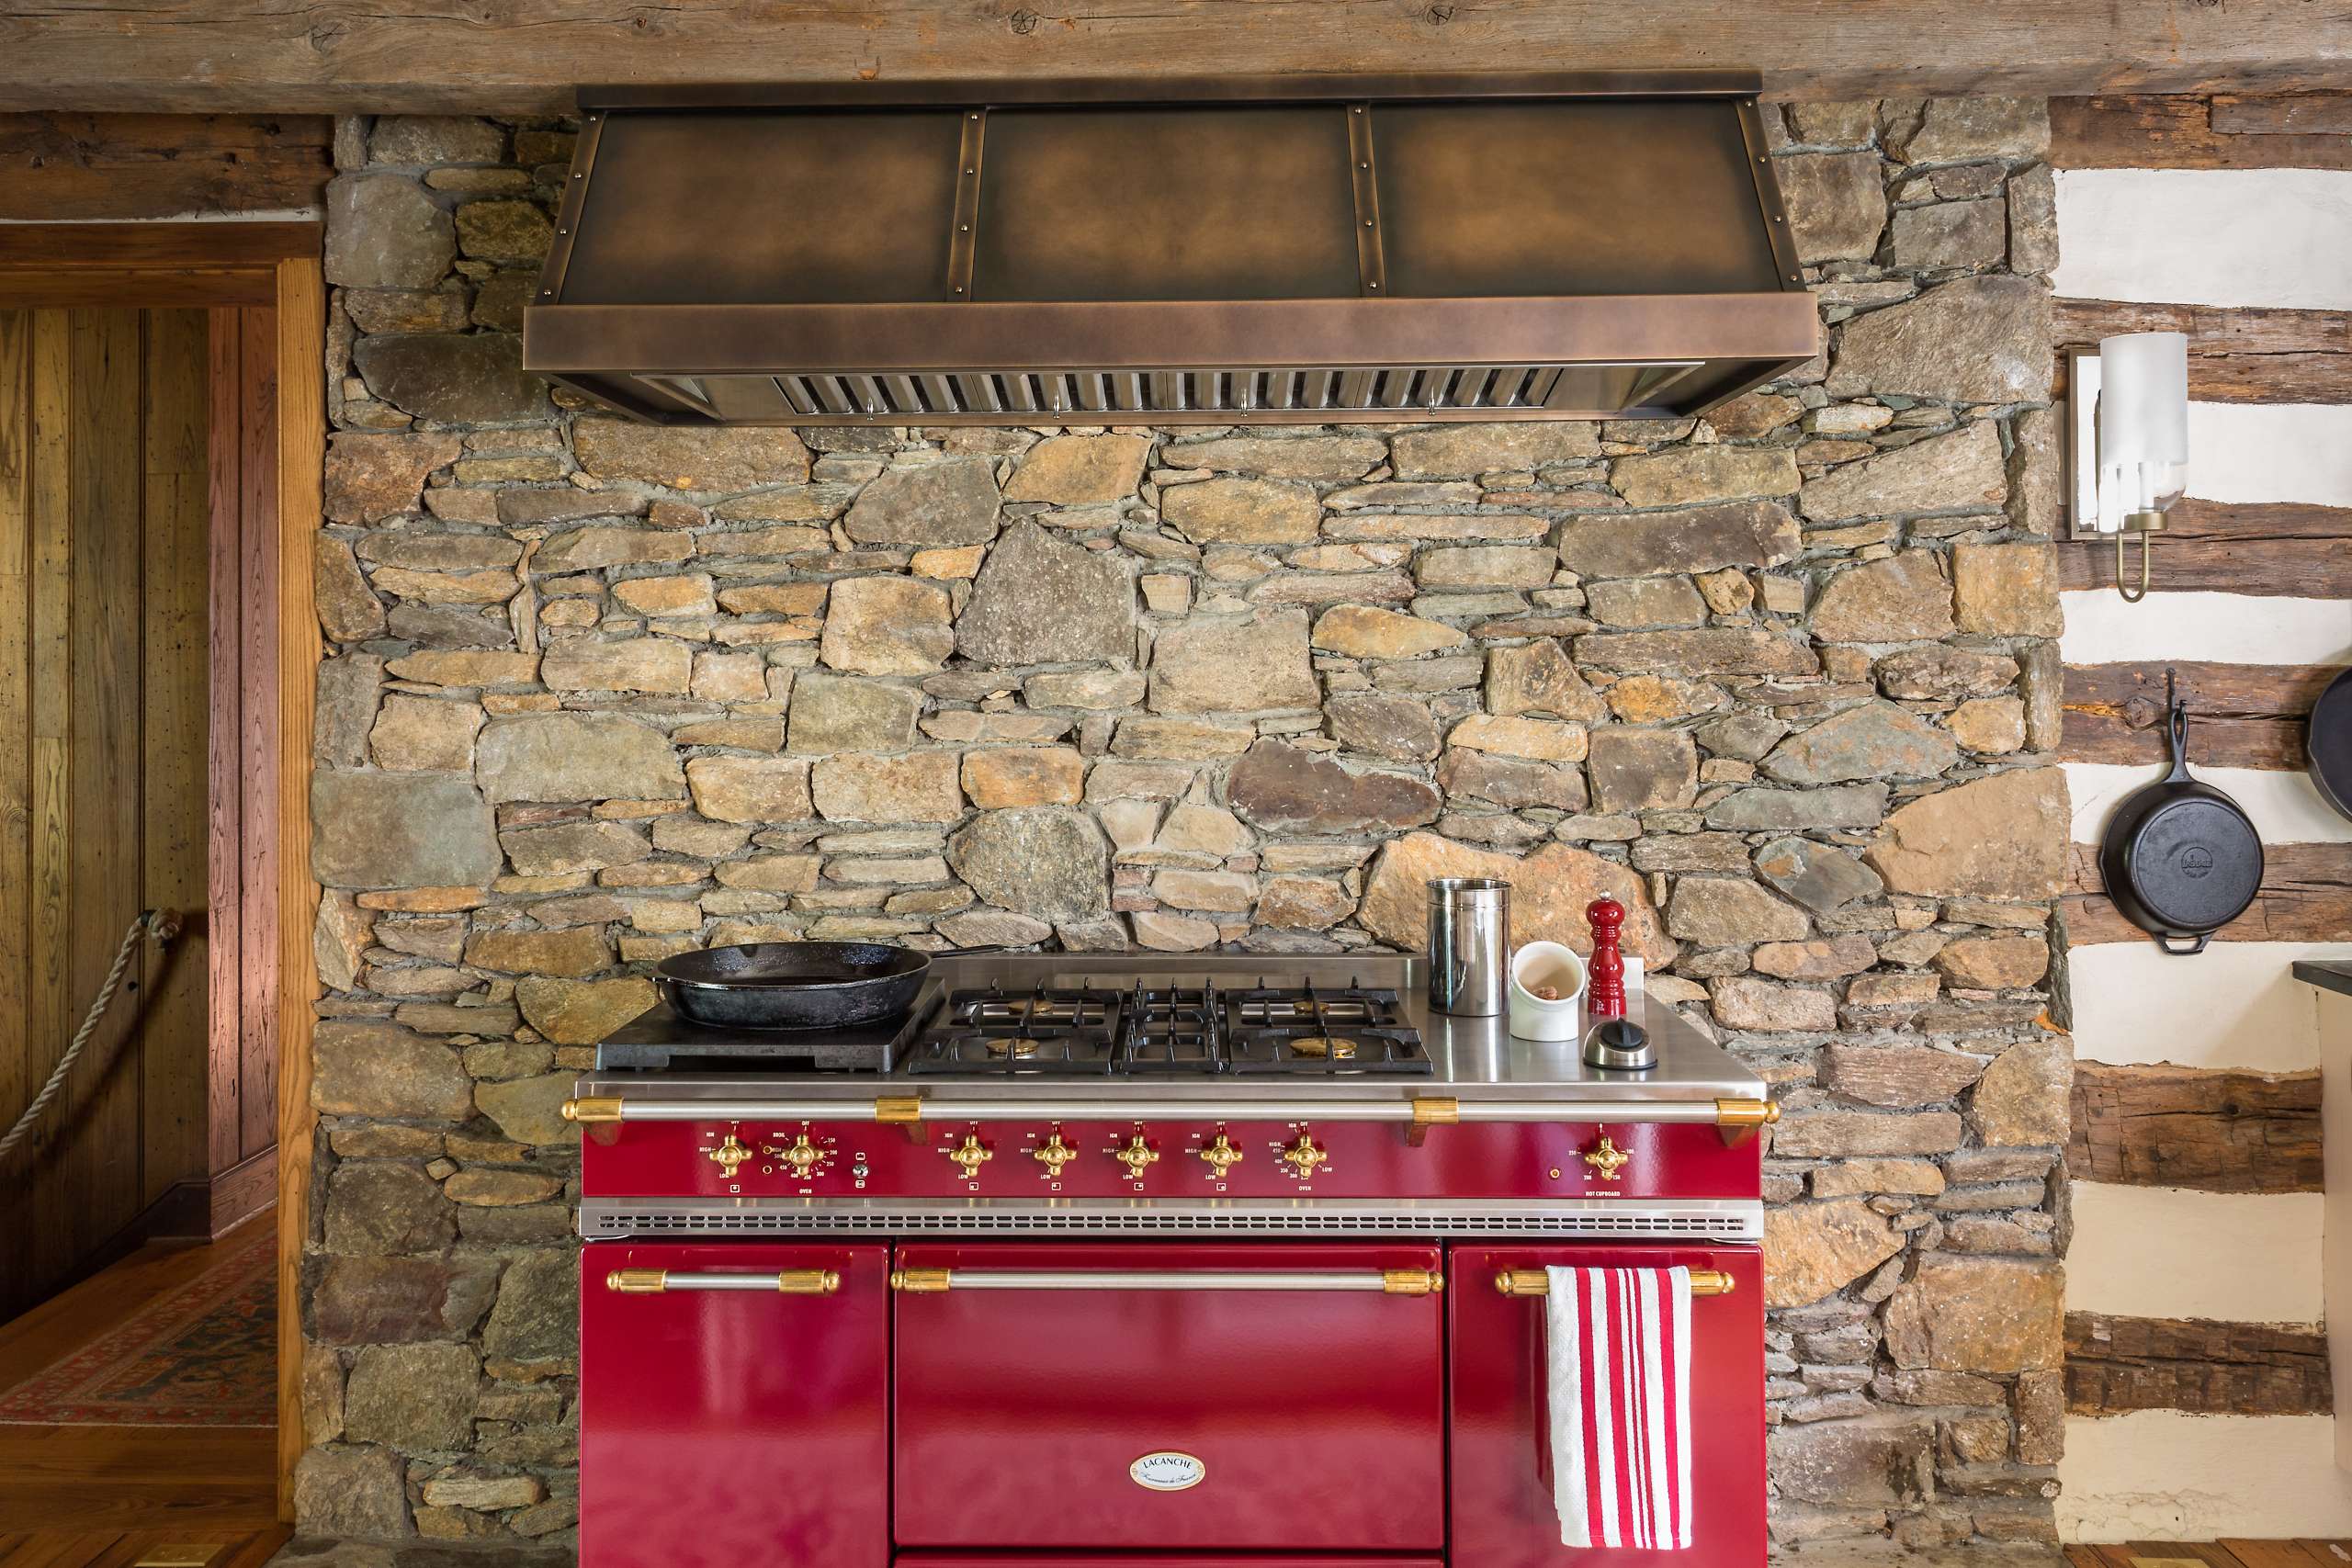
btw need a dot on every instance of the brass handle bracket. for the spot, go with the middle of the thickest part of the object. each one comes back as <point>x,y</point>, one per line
<point>1431,1110</point>
<point>1738,1120</point>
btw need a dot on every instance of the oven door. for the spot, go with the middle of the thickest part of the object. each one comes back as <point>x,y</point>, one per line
<point>733,1406</point>
<point>1501,1480</point>
<point>1251,1397</point>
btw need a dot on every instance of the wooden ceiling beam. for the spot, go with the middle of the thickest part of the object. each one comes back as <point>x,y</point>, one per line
<point>524,56</point>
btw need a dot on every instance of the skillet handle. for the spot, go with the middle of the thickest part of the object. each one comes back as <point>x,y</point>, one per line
<point>2165,941</point>
<point>2176,727</point>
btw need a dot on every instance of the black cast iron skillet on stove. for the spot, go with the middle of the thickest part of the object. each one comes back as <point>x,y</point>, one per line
<point>2181,859</point>
<point>2327,742</point>
<point>791,985</point>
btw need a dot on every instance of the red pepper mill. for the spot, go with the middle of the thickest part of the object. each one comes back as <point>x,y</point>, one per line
<point>1605,987</point>
<point>1614,1042</point>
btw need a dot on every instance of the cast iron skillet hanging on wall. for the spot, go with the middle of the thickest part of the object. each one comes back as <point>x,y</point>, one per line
<point>2328,743</point>
<point>2180,859</point>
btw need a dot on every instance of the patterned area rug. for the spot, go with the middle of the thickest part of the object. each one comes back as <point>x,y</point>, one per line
<point>203,1355</point>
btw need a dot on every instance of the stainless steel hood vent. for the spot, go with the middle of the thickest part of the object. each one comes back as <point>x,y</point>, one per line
<point>1227,252</point>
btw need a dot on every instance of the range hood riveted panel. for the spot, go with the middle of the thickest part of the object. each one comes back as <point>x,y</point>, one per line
<point>1239,250</point>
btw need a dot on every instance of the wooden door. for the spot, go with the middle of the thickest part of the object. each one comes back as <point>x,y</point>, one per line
<point>105,568</point>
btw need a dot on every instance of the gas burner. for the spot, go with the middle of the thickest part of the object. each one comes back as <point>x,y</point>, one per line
<point>1299,1030</point>
<point>1043,1031</point>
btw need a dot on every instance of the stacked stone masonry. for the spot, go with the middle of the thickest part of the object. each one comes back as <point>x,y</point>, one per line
<point>1782,680</point>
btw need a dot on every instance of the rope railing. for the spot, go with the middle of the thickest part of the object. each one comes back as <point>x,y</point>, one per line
<point>163,925</point>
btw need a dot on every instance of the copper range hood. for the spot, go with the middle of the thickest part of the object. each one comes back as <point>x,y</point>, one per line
<point>1230,252</point>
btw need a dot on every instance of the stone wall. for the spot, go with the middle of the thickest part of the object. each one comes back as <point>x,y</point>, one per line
<point>1781,680</point>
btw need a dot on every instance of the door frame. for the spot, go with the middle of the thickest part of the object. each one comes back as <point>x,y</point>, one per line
<point>238,263</point>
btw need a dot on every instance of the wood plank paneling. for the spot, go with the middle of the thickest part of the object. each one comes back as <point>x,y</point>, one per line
<point>2176,132</point>
<point>175,699</point>
<point>15,708</point>
<point>224,741</point>
<point>259,763</point>
<point>101,1124</point>
<point>2278,549</point>
<point>106,513</point>
<point>2246,354</point>
<point>2241,716</point>
<point>343,56</point>
<point>2306,897</point>
<point>2216,1131</point>
<point>58,166</point>
<point>2114,1364</point>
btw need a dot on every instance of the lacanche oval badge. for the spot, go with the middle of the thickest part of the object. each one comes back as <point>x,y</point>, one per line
<point>1168,1471</point>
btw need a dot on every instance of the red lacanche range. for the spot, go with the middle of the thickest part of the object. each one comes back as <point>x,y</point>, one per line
<point>1147,1262</point>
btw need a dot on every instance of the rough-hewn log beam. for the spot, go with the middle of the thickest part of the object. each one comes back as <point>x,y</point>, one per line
<point>2193,133</point>
<point>526,55</point>
<point>2241,716</point>
<point>2215,1131</point>
<point>2114,1364</point>
<point>2241,354</point>
<point>2306,897</point>
<point>56,167</point>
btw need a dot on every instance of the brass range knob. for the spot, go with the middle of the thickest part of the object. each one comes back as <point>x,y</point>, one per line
<point>1304,1156</point>
<point>804,1157</point>
<point>970,1155</point>
<point>1221,1156</point>
<point>1053,1154</point>
<point>1138,1156</point>
<point>1607,1159</point>
<point>728,1155</point>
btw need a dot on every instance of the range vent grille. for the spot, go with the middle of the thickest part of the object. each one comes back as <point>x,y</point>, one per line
<point>817,394</point>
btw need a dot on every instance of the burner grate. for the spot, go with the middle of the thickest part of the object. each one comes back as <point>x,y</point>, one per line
<point>1301,1031</point>
<point>1046,1030</point>
<point>1174,1029</point>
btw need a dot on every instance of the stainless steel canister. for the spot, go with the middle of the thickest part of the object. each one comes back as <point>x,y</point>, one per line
<point>1469,944</point>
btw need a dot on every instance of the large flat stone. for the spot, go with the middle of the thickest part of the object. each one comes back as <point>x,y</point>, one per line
<point>952,502</point>
<point>886,625</point>
<point>1281,788</point>
<point>2000,836</point>
<point>1705,538</point>
<point>1811,1250</point>
<point>1679,476</point>
<point>1709,651</point>
<point>1242,512</point>
<point>576,756</point>
<point>918,786</point>
<point>1212,664</point>
<point>1903,598</point>
<point>369,1067</point>
<point>1080,470</point>
<point>1465,451</point>
<point>1043,600</point>
<point>1876,740</point>
<point>399,830</point>
<point>689,457</point>
<point>448,378</point>
<point>1962,471</point>
<point>1047,861</point>
<point>1976,340</point>
<point>386,231</point>
<point>371,476</point>
<point>840,713</point>
<point>1836,203</point>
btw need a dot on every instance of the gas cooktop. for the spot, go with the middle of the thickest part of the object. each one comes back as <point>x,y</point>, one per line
<point>1007,1026</point>
<point>1169,1027</point>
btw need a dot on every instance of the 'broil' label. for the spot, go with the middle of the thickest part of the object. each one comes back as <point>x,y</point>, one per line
<point>1168,1471</point>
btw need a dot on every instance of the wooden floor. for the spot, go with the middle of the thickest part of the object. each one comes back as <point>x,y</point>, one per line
<point>142,1549</point>
<point>2196,1554</point>
<point>117,1492</point>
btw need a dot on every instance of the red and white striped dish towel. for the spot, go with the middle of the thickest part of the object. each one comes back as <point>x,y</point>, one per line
<point>1617,1348</point>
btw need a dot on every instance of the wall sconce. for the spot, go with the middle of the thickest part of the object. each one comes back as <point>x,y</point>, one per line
<point>2129,446</point>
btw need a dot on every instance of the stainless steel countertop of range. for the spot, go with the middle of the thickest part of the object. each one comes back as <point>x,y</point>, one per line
<point>1472,1057</point>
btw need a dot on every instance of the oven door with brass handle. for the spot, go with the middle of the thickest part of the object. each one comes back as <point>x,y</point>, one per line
<point>1499,1416</point>
<point>1270,1397</point>
<point>733,1399</point>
